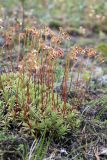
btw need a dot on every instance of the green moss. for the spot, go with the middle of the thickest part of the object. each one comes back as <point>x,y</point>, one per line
<point>103,49</point>
<point>55,24</point>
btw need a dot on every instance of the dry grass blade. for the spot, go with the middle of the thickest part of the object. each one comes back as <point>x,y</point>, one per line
<point>96,154</point>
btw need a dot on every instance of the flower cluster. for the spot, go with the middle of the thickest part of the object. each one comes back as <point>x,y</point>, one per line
<point>78,51</point>
<point>56,53</point>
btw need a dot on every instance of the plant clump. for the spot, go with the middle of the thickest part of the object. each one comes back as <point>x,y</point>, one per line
<point>27,83</point>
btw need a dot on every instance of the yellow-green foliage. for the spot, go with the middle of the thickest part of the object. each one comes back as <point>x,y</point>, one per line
<point>103,49</point>
<point>37,117</point>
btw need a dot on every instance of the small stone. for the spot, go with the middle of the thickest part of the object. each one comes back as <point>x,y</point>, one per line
<point>103,152</point>
<point>103,80</point>
<point>2,41</point>
<point>63,152</point>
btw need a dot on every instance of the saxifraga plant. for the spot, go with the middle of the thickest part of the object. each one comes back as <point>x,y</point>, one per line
<point>30,97</point>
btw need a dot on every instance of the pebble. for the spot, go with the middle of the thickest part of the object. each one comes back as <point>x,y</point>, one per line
<point>103,80</point>
<point>2,41</point>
